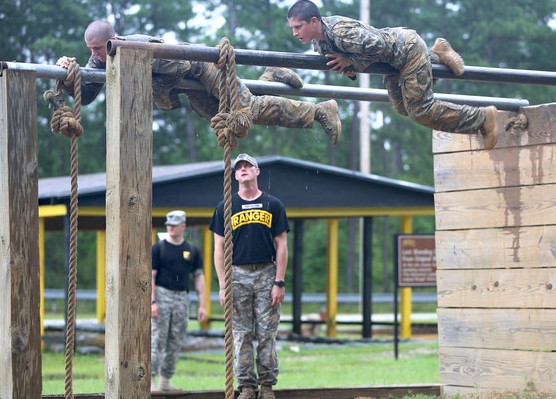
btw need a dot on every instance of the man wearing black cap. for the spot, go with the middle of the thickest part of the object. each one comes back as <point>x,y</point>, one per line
<point>260,258</point>
<point>173,260</point>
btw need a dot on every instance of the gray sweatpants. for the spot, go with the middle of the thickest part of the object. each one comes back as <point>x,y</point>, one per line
<point>169,330</point>
<point>255,325</point>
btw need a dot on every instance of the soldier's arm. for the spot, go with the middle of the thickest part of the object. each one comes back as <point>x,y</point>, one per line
<point>89,90</point>
<point>200,289</point>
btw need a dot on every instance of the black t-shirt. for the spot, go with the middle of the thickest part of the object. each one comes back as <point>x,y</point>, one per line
<point>254,226</point>
<point>175,263</point>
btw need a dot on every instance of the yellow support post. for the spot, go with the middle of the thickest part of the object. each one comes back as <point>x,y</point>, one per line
<point>207,271</point>
<point>52,210</point>
<point>332,279</point>
<point>406,292</point>
<point>101,276</point>
<point>41,274</point>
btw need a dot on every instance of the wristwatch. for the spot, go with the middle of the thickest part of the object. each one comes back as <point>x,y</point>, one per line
<point>280,283</point>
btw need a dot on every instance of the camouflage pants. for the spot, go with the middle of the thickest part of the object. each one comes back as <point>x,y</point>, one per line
<point>411,94</point>
<point>255,323</point>
<point>266,110</point>
<point>168,330</point>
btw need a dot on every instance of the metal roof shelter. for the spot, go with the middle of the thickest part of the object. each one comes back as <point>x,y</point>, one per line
<point>308,190</point>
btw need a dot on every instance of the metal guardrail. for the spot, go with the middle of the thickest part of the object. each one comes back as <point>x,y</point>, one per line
<point>417,297</point>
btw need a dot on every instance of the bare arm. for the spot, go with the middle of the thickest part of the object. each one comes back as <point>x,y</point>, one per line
<point>89,90</point>
<point>154,305</point>
<point>219,265</point>
<point>281,243</point>
<point>338,62</point>
<point>200,289</point>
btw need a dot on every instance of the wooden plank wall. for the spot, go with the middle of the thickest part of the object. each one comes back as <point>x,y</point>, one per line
<point>496,257</point>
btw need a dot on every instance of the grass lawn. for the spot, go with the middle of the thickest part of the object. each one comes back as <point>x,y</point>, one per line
<point>302,365</point>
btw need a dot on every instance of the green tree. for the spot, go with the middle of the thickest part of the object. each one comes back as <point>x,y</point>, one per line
<point>505,34</point>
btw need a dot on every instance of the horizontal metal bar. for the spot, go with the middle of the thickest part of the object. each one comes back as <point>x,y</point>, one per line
<point>271,88</point>
<point>55,72</point>
<point>357,93</point>
<point>318,62</point>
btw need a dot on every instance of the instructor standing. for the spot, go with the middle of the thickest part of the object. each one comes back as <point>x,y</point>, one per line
<point>173,261</point>
<point>260,258</point>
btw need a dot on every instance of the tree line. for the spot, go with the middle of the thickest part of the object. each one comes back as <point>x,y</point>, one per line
<point>518,34</point>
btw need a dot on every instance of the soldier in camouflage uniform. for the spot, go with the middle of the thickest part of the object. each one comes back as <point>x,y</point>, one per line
<point>174,260</point>
<point>352,46</point>
<point>266,110</point>
<point>260,256</point>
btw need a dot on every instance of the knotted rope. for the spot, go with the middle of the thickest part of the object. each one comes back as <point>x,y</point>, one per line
<point>64,119</point>
<point>228,127</point>
<point>68,122</point>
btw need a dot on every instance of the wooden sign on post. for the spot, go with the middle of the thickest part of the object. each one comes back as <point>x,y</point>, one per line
<point>416,261</point>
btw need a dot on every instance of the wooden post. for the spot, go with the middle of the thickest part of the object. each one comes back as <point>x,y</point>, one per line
<point>128,223</point>
<point>20,361</point>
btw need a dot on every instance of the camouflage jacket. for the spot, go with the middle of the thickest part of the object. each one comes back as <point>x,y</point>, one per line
<point>363,44</point>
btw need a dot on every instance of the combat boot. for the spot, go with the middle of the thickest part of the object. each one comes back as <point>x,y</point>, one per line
<point>165,100</point>
<point>166,386</point>
<point>247,393</point>
<point>282,75</point>
<point>266,392</point>
<point>327,115</point>
<point>448,56</point>
<point>489,129</point>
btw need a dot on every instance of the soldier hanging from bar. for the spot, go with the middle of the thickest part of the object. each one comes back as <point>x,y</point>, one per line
<point>266,110</point>
<point>352,46</point>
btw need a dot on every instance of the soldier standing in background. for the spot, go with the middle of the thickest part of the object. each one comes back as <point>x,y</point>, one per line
<point>174,260</point>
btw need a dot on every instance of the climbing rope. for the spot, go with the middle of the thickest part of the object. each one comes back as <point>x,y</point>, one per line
<point>66,121</point>
<point>228,127</point>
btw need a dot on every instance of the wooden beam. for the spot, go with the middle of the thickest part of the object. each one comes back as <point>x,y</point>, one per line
<point>301,393</point>
<point>513,247</point>
<point>128,224</point>
<point>20,363</point>
<point>497,370</point>
<point>512,329</point>
<point>497,288</point>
